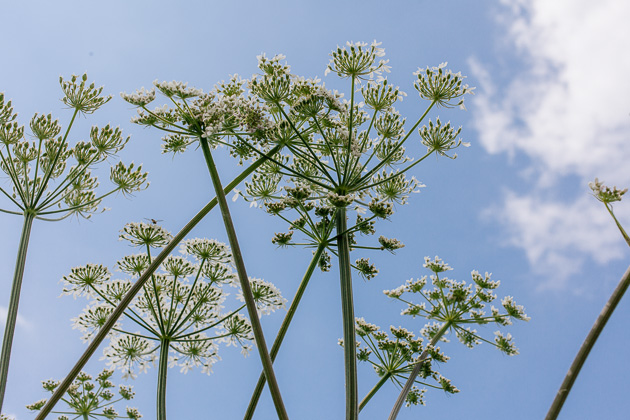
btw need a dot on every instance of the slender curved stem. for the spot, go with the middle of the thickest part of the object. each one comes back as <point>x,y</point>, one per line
<point>347,309</point>
<point>161,385</point>
<point>414,373</point>
<point>244,281</point>
<point>14,301</point>
<point>587,345</point>
<point>621,229</point>
<point>275,348</point>
<point>374,390</point>
<point>137,286</point>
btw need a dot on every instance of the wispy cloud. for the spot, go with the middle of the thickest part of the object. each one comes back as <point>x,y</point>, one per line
<point>566,108</point>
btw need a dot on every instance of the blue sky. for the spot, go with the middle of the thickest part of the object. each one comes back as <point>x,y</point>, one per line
<point>550,114</point>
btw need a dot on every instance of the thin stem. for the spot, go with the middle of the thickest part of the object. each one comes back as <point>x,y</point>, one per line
<point>11,212</point>
<point>16,180</point>
<point>14,301</point>
<point>12,199</point>
<point>161,385</point>
<point>587,345</point>
<point>275,348</point>
<point>347,309</point>
<point>71,209</point>
<point>50,171</point>
<point>374,390</point>
<point>244,281</point>
<point>384,161</point>
<point>623,232</point>
<point>414,373</point>
<point>350,130</point>
<point>179,337</point>
<point>133,291</point>
<point>306,144</point>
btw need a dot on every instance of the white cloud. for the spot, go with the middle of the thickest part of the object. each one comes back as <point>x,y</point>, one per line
<point>556,236</point>
<point>566,108</point>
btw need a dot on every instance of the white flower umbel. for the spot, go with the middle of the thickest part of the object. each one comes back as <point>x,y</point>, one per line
<point>339,155</point>
<point>453,306</point>
<point>89,398</point>
<point>179,318</point>
<point>51,179</point>
<point>343,156</point>
<point>394,358</point>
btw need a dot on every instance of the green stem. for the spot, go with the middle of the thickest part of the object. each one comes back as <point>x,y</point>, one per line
<point>50,171</point>
<point>347,309</point>
<point>161,385</point>
<point>385,160</point>
<point>137,286</point>
<point>374,390</point>
<point>621,229</point>
<point>587,345</point>
<point>244,281</point>
<point>283,329</point>
<point>416,370</point>
<point>14,301</point>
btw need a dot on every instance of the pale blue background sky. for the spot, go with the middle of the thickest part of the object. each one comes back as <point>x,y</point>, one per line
<point>550,114</point>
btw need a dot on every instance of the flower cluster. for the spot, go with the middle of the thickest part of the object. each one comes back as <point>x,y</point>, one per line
<point>225,116</point>
<point>443,87</point>
<point>606,194</point>
<point>180,310</point>
<point>44,180</point>
<point>454,305</point>
<point>88,398</point>
<point>342,156</point>
<point>393,358</point>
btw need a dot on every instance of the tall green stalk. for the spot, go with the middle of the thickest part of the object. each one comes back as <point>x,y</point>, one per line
<point>135,289</point>
<point>244,281</point>
<point>14,302</point>
<point>586,347</point>
<point>347,310</point>
<point>607,196</point>
<point>416,370</point>
<point>161,385</point>
<point>251,408</point>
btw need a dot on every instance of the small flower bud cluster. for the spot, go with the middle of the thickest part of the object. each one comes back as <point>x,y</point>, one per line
<point>337,200</point>
<point>381,96</point>
<point>440,138</point>
<point>381,209</point>
<point>267,296</point>
<point>367,270</point>
<point>282,239</point>
<point>356,60</point>
<point>89,398</point>
<point>444,88</point>
<point>177,89</point>
<point>606,194</point>
<point>43,127</point>
<point>390,244</point>
<point>145,234</point>
<point>81,96</point>
<point>141,97</point>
